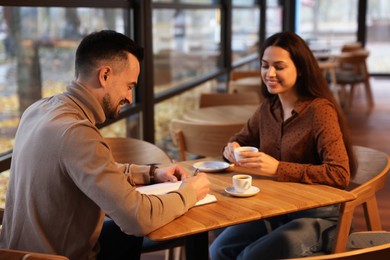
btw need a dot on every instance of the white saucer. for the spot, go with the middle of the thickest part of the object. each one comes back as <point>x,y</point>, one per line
<point>211,166</point>
<point>250,192</point>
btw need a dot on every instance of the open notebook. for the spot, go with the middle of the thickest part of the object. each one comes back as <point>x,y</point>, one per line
<point>165,187</point>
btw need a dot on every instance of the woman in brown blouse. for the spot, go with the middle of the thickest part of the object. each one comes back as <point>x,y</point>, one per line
<point>302,137</point>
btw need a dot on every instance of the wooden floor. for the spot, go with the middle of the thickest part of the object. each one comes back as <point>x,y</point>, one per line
<point>368,128</point>
<point>372,129</point>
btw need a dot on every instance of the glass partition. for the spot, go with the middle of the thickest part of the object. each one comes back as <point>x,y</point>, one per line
<point>186,44</point>
<point>37,51</point>
<point>175,107</point>
<point>245,32</point>
<point>4,177</point>
<point>378,36</point>
<point>186,1</point>
<point>327,25</point>
<point>274,18</point>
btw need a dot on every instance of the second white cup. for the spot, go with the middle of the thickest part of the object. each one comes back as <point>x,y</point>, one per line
<point>242,182</point>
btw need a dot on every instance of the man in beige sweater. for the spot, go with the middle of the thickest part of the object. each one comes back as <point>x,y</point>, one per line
<point>64,179</point>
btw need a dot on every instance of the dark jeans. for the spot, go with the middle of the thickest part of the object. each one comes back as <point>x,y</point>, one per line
<point>116,245</point>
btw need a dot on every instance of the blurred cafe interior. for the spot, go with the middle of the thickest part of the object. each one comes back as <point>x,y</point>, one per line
<point>192,48</point>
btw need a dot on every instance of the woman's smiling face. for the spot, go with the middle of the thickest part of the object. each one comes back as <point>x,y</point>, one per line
<point>278,71</point>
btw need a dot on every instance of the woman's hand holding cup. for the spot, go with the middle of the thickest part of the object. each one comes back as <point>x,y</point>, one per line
<point>243,152</point>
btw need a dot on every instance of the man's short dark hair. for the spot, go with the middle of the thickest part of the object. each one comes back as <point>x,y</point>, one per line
<point>104,45</point>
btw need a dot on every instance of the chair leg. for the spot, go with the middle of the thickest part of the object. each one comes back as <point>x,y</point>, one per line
<point>370,99</point>
<point>343,95</point>
<point>371,214</point>
<point>343,229</point>
<point>351,95</point>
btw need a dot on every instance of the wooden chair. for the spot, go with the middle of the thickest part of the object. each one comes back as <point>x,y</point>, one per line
<point>201,139</point>
<point>10,254</point>
<point>224,99</point>
<point>364,239</point>
<point>352,70</point>
<point>131,150</point>
<point>353,46</point>
<point>373,167</point>
<point>375,252</point>
<point>238,75</point>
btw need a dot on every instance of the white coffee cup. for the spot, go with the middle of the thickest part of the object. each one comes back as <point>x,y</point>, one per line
<point>240,149</point>
<point>242,182</point>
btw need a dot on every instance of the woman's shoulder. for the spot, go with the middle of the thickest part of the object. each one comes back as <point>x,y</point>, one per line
<point>322,110</point>
<point>317,103</point>
<point>316,107</point>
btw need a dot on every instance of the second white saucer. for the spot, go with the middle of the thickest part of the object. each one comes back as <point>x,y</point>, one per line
<point>250,192</point>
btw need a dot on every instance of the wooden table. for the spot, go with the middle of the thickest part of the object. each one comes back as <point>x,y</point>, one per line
<point>221,114</point>
<point>275,198</point>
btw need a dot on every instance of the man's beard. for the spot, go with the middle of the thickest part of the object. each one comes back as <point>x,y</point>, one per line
<point>109,111</point>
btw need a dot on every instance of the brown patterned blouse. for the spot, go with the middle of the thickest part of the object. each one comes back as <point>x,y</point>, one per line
<point>309,145</point>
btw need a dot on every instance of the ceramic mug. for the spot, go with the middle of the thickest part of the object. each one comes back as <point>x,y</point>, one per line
<point>240,149</point>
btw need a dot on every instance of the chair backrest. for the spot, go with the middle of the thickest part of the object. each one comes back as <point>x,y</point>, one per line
<point>10,254</point>
<point>201,139</point>
<point>354,62</point>
<point>239,74</point>
<point>372,171</point>
<point>235,87</point>
<point>375,252</point>
<point>131,150</point>
<point>224,99</point>
<point>353,46</point>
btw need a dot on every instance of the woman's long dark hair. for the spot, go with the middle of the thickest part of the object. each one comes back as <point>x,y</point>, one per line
<point>310,83</point>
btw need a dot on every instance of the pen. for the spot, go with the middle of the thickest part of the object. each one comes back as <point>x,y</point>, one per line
<point>195,172</point>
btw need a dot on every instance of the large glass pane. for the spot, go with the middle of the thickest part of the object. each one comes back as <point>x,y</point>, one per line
<point>175,108</point>
<point>4,177</point>
<point>243,2</point>
<point>187,1</point>
<point>186,44</point>
<point>274,17</point>
<point>37,55</point>
<point>245,32</point>
<point>128,127</point>
<point>327,24</point>
<point>378,36</point>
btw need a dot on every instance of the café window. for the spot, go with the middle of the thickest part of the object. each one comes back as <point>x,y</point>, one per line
<point>245,30</point>
<point>274,17</point>
<point>186,44</point>
<point>378,36</point>
<point>37,51</point>
<point>327,25</point>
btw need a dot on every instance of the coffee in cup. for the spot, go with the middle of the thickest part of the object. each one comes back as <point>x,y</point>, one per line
<point>242,182</point>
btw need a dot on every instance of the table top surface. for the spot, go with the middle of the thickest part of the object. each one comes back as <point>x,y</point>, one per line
<point>275,198</point>
<point>232,114</point>
<point>329,64</point>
